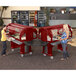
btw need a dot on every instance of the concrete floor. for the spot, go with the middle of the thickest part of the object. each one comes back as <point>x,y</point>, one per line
<point>37,61</point>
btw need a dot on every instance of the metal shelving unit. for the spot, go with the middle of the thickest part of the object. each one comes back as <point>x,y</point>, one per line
<point>41,18</point>
<point>21,17</point>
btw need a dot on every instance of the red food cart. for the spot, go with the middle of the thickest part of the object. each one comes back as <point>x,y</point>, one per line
<point>48,36</point>
<point>21,36</point>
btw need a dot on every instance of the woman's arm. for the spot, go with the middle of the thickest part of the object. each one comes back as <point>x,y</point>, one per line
<point>67,33</point>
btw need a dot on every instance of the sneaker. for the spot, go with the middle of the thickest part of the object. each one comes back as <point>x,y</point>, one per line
<point>3,55</point>
<point>67,57</point>
<point>44,54</point>
<point>62,59</point>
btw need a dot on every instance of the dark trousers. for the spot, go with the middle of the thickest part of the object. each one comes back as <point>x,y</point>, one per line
<point>65,53</point>
<point>4,44</point>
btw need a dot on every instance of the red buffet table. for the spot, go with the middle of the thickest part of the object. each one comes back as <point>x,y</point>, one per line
<point>48,36</point>
<point>21,37</point>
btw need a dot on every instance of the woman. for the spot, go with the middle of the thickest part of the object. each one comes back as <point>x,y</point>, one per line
<point>3,39</point>
<point>63,40</point>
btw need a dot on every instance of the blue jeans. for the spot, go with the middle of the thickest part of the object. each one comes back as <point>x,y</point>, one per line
<point>4,47</point>
<point>65,53</point>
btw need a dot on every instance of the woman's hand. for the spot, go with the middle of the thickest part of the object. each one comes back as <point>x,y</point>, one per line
<point>58,37</point>
<point>61,39</point>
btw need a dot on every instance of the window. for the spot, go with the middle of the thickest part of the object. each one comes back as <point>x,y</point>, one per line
<point>16,35</point>
<point>60,31</point>
<point>23,37</point>
<point>34,35</point>
<point>48,38</point>
<point>54,33</point>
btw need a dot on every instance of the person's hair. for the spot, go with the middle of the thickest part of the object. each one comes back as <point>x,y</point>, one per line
<point>2,27</point>
<point>66,28</point>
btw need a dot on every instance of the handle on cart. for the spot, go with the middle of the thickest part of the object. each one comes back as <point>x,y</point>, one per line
<point>35,37</point>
